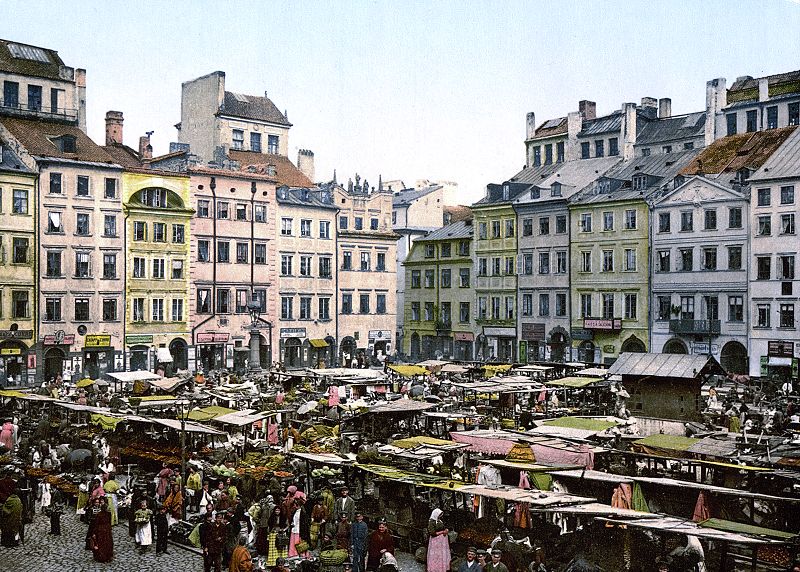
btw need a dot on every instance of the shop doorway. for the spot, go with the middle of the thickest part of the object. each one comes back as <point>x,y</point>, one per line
<point>586,352</point>
<point>675,346</point>
<point>415,346</point>
<point>633,345</point>
<point>348,351</point>
<point>733,358</point>
<point>558,346</point>
<point>180,354</point>
<point>292,353</point>
<point>54,363</point>
<point>139,358</point>
<point>212,356</point>
<point>13,362</point>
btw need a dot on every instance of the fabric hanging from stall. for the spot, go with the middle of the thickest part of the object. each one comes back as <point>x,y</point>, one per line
<point>701,508</point>
<point>541,481</point>
<point>524,483</point>
<point>333,396</point>
<point>272,433</point>
<point>638,502</point>
<point>622,496</point>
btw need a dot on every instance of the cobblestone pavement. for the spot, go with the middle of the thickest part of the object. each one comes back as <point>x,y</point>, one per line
<point>66,553</point>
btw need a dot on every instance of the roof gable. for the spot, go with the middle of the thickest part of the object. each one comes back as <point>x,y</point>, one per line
<point>698,191</point>
<point>252,107</point>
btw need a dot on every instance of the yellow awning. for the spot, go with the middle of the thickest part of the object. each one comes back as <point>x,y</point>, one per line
<point>409,370</point>
<point>317,343</point>
<point>85,383</point>
<point>491,370</point>
<point>105,421</point>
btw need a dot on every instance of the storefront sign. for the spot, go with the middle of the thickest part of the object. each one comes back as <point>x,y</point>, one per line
<point>583,335</point>
<point>58,339</point>
<point>500,332</point>
<point>701,348</point>
<point>293,332</point>
<point>10,352</point>
<point>602,324</point>
<point>97,341</point>
<point>16,334</point>
<point>779,348</point>
<point>213,337</point>
<point>134,339</point>
<point>463,336</point>
<point>533,332</point>
<point>609,348</point>
<point>380,334</point>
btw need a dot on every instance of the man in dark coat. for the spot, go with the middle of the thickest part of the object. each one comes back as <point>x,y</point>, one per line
<point>213,542</point>
<point>162,529</point>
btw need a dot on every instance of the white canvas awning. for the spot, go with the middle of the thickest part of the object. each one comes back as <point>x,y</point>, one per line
<point>131,376</point>
<point>163,355</point>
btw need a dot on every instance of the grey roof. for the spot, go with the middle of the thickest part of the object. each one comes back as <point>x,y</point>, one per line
<point>573,176</point>
<point>535,174</point>
<point>747,82</point>
<point>664,365</point>
<point>252,107</point>
<point>657,165</point>
<point>783,163</point>
<point>672,128</point>
<point>408,196</point>
<point>611,122</point>
<point>453,231</point>
<point>25,59</point>
<point>494,193</point>
<point>10,162</point>
<point>314,197</point>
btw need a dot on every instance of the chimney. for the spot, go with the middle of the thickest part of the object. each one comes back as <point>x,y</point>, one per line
<point>628,130</point>
<point>716,99</point>
<point>763,89</point>
<point>305,162</point>
<point>574,126</point>
<point>145,149</point>
<point>588,109</point>
<point>114,128</point>
<point>530,125</point>
<point>664,108</point>
<point>650,107</point>
<point>80,96</point>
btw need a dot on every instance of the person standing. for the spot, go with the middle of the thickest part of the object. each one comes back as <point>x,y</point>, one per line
<point>215,542</point>
<point>240,559</point>
<point>438,559</point>
<point>343,534</point>
<point>11,521</point>
<point>265,508</point>
<point>54,511</point>
<point>471,563</point>
<point>193,487</point>
<point>345,505</point>
<point>319,516</point>
<point>102,540</point>
<point>495,565</point>
<point>111,488</point>
<point>358,542</point>
<point>205,497</point>
<point>379,541</point>
<point>144,530</point>
<point>163,481</point>
<point>162,529</point>
<point>278,538</point>
<point>174,504</point>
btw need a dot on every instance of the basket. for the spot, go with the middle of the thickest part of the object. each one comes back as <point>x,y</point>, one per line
<point>332,557</point>
<point>301,547</point>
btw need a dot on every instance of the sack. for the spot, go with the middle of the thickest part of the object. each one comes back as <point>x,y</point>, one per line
<point>301,547</point>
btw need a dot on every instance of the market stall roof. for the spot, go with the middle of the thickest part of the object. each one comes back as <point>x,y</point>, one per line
<point>659,443</point>
<point>599,509</point>
<point>325,458</point>
<point>418,453</point>
<point>591,372</point>
<point>189,426</point>
<point>443,444</point>
<point>169,383</point>
<point>131,376</point>
<point>575,382</point>
<point>680,366</point>
<point>25,395</point>
<point>509,384</point>
<point>317,343</point>
<point>346,372</point>
<point>401,406</point>
<point>530,496</point>
<point>573,427</point>
<point>433,363</point>
<point>419,479</point>
<point>534,368</point>
<point>409,370</point>
<point>86,382</point>
<point>574,364</point>
<point>241,418</point>
<point>454,368</point>
<point>163,355</point>
<point>689,528</point>
<point>749,529</point>
<point>523,466</point>
<point>208,413</point>
<point>452,414</point>
<point>492,369</point>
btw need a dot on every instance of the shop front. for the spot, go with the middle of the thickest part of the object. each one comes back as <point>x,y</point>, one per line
<point>602,346</point>
<point>533,334</point>
<point>558,342</point>
<point>320,351</point>
<point>56,354</point>
<point>462,345</point>
<point>17,362</point>
<point>780,363</point>
<point>347,351</point>
<point>500,343</point>
<point>98,355</point>
<point>293,351</point>
<point>210,350</point>
<point>138,352</point>
<point>379,343</point>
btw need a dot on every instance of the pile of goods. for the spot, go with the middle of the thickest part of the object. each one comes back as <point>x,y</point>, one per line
<point>146,450</point>
<point>258,465</point>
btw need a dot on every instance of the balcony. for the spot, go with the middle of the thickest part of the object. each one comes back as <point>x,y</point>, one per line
<point>38,110</point>
<point>695,327</point>
<point>443,327</point>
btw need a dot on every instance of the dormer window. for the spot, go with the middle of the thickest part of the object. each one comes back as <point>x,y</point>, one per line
<point>639,182</point>
<point>66,143</point>
<point>506,192</point>
<point>742,175</point>
<point>678,181</point>
<point>555,190</point>
<point>535,193</point>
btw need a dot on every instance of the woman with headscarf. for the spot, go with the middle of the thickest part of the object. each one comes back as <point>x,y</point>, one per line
<point>287,504</point>
<point>174,504</point>
<point>102,543</point>
<point>438,543</point>
<point>278,538</point>
<point>164,476</point>
<point>11,520</point>
<point>300,526</point>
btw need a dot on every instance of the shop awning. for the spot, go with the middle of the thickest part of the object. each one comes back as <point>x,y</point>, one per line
<point>130,376</point>
<point>163,355</point>
<point>493,369</point>
<point>409,370</point>
<point>574,381</point>
<point>207,413</point>
<point>419,479</point>
<point>318,343</point>
<point>665,445</point>
<point>750,529</point>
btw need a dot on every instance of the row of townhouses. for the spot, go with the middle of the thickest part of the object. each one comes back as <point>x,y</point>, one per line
<point>112,259</point>
<point>632,232</point>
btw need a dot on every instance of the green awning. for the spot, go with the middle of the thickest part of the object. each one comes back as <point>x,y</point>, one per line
<point>741,528</point>
<point>208,413</point>
<point>659,444</point>
<point>105,421</point>
<point>584,423</point>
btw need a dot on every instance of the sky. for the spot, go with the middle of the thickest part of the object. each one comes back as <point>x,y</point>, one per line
<point>407,90</point>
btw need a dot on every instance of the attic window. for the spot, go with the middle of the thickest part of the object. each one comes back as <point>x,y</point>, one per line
<point>535,193</point>
<point>65,143</point>
<point>678,181</point>
<point>506,192</point>
<point>28,53</point>
<point>555,190</point>
<point>639,182</point>
<point>742,175</point>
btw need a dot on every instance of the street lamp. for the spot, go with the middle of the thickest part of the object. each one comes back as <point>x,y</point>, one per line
<point>254,308</point>
<point>184,406</point>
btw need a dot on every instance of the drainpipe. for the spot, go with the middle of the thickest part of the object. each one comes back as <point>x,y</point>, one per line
<point>569,280</point>
<point>38,289</point>
<point>213,186</point>
<point>125,284</point>
<point>336,281</point>
<point>650,297</point>
<point>252,238</point>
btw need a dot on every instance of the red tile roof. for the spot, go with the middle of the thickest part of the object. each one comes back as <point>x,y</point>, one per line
<point>39,139</point>
<point>735,152</point>
<point>285,171</point>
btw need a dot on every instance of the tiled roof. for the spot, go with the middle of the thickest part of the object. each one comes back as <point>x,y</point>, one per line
<point>458,212</point>
<point>252,107</point>
<point>784,162</point>
<point>123,155</point>
<point>408,196</point>
<point>551,127</point>
<point>285,171</point>
<point>778,78</point>
<point>37,138</point>
<point>672,128</point>
<point>453,231</point>
<point>735,152</point>
<point>36,61</point>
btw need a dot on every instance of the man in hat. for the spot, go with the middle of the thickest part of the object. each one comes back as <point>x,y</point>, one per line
<point>471,563</point>
<point>214,543</point>
<point>345,505</point>
<point>343,533</point>
<point>495,565</point>
<point>358,542</point>
<point>162,529</point>
<point>379,540</point>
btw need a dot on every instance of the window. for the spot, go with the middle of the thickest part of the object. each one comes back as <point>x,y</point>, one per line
<point>688,145</point>
<point>544,304</point>
<point>305,308</point>
<point>305,227</point>
<point>510,304</point>
<point>787,223</point>
<point>260,213</point>
<point>81,309</point>
<point>137,309</point>
<point>158,268</point>
<point>82,224</point>
<point>687,259</point>
<point>730,119</point>
<point>260,253</point>
<point>414,311</point>
<point>241,211</point>
<point>646,152</point>
<point>687,308</point>
<point>586,261</point>
<point>630,220</point>
<point>735,217</point>
<point>764,197</point>
<point>324,308</point>
<point>482,309</point>
<point>772,117</point>
<point>272,144</point>
<point>495,307</point>
<point>177,270</point>
<point>324,229</point>
<point>664,307</point>
<point>764,225</point>
<point>139,267</point>
<point>763,267</point>
<point>630,306</point>
<point>428,312</point>
<point>178,233</point>
<point>639,182</point>
<point>82,265</point>
<point>82,186</point>
<point>10,94</point>
<point>544,225</point>
<point>463,312</point>
<point>548,154</point>
<point>544,263</point>
<point>613,147</point>
<point>242,249</point>
<point>373,224</point>
<point>561,262</point>
<point>159,232</point>
<point>286,307</point>
<point>664,261</point>
<point>735,308</point>
<point>787,195</point>
<point>365,262</point>
<point>343,223</point>
<point>430,278</point>
<point>222,210</point>
<point>446,279</point>
<point>483,269</point>
<point>52,310</point>
<point>687,221</point>
<point>712,307</point>
<point>608,305</point>
<point>752,121</point>
<point>55,183</point>
<point>20,250</point>
<point>734,258</point>
<point>710,219</point>
<point>495,229</point>
<point>358,223</point>
<point>203,248</point>
<point>560,152</point>
<point>54,224</point>
<point>496,266</point>
<point>202,209</point>
<point>509,265</point>
<point>463,278</point>
<point>430,251</point>
<point>177,310</point>
<point>527,304</point>
<point>787,316</point>
<point>110,191</point>
<point>223,251</point>
<point>786,267</point>
<point>446,250</point>
<point>255,142</point>
<point>416,279</point>
<point>527,264</point>
<point>325,267</point>
<point>527,227</point>
<point>599,148</point>
<point>53,269</point>
<point>19,202</point>
<point>158,309</point>
<point>286,264</point>
<point>586,305</point>
<point>608,221</point>
<point>794,114</point>
<point>561,224</point>
<point>109,225</point>
<point>380,304</point>
<point>630,260</point>
<point>586,222</point>
<point>139,231</point>
<point>608,261</point>
<point>585,150</point>
<point>537,156</point>
<point>763,315</point>
<point>203,301</point>
<point>238,139</point>
<point>666,149</point>
<point>709,259</point>
<point>482,230</point>
<point>561,304</point>
<point>109,266</point>
<point>305,266</point>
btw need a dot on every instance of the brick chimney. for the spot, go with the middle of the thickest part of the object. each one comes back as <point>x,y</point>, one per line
<point>763,89</point>
<point>650,107</point>
<point>628,130</point>
<point>664,108</point>
<point>716,99</point>
<point>145,149</point>
<point>530,125</point>
<point>588,109</point>
<point>114,128</point>
<point>305,162</point>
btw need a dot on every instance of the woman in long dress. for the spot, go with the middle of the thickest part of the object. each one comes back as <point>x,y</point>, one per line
<point>277,528</point>
<point>102,541</point>
<point>438,544</point>
<point>144,531</point>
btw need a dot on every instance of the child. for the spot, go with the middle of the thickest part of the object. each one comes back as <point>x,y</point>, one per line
<point>144,532</point>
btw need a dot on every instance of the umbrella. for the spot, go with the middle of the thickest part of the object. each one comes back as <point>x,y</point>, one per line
<point>78,456</point>
<point>307,406</point>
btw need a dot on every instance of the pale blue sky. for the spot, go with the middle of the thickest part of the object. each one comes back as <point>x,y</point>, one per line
<point>407,89</point>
